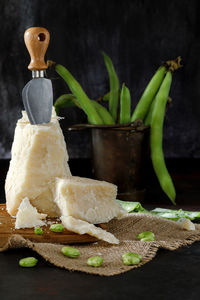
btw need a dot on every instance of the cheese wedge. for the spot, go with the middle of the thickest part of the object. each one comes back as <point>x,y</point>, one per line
<point>82,227</point>
<point>87,199</point>
<point>39,155</point>
<point>28,216</point>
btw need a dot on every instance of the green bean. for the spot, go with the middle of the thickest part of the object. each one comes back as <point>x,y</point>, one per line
<point>28,262</point>
<point>148,117</point>
<point>70,252</point>
<point>125,105</point>
<point>148,95</point>
<point>175,215</point>
<point>147,120</point>
<point>77,91</point>
<point>157,155</point>
<point>38,231</point>
<point>114,86</point>
<point>65,100</point>
<point>106,97</point>
<point>95,261</point>
<point>104,114</point>
<point>69,100</point>
<point>57,227</point>
<point>131,258</point>
<point>146,236</point>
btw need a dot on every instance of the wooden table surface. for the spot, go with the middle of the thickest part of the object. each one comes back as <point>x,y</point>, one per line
<point>170,275</point>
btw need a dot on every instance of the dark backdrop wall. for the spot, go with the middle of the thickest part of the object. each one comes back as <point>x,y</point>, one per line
<point>138,36</point>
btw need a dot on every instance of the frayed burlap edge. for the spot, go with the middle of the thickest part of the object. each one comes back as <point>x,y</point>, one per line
<point>169,236</point>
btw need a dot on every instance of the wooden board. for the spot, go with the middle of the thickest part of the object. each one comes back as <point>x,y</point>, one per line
<point>7,228</point>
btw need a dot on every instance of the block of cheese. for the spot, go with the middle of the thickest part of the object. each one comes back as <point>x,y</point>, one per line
<point>38,155</point>
<point>27,216</point>
<point>82,227</point>
<point>87,199</point>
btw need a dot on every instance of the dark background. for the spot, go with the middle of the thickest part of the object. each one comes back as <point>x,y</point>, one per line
<point>137,35</point>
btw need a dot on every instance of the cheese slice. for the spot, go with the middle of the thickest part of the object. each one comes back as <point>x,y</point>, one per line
<point>87,199</point>
<point>28,216</point>
<point>82,227</point>
<point>39,155</point>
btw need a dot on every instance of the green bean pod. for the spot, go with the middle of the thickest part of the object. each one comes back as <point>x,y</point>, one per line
<point>82,98</point>
<point>148,95</point>
<point>104,114</point>
<point>114,86</point>
<point>106,97</point>
<point>157,155</point>
<point>65,100</point>
<point>125,105</point>
<point>147,120</point>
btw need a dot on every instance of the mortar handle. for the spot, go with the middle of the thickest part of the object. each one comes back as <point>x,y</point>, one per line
<point>37,42</point>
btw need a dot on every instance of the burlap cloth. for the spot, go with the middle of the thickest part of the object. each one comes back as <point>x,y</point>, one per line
<point>168,234</point>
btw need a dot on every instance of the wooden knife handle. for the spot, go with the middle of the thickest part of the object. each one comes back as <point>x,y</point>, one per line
<point>37,42</point>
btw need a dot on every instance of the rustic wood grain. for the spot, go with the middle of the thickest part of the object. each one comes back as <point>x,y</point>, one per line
<point>7,228</point>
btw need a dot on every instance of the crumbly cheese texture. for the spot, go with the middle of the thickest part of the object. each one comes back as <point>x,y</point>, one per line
<point>82,227</point>
<point>27,216</point>
<point>38,155</point>
<point>87,199</point>
<point>186,224</point>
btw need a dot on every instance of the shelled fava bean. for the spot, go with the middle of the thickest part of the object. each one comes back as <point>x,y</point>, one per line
<point>38,231</point>
<point>28,262</point>
<point>70,252</point>
<point>95,261</point>
<point>146,236</point>
<point>57,228</point>
<point>131,258</point>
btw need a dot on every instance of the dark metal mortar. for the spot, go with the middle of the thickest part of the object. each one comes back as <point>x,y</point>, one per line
<point>119,153</point>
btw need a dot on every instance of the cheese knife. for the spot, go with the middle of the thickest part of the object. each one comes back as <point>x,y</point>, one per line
<point>37,95</point>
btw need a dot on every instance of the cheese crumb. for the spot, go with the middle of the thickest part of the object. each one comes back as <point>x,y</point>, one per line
<point>186,224</point>
<point>28,216</point>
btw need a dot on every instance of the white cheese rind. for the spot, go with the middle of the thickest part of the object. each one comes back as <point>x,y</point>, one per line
<point>28,216</point>
<point>39,155</point>
<point>87,199</point>
<point>82,227</point>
